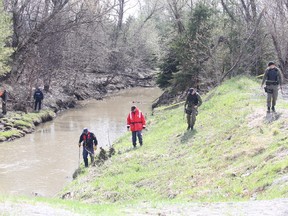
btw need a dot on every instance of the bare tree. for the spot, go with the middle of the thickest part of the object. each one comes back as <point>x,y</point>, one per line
<point>276,19</point>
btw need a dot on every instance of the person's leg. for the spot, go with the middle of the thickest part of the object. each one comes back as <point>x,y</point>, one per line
<point>193,119</point>
<point>269,98</point>
<point>274,97</point>
<point>4,110</point>
<point>134,138</point>
<point>85,156</point>
<point>40,104</point>
<point>188,117</point>
<point>91,153</point>
<point>140,138</point>
<point>35,107</point>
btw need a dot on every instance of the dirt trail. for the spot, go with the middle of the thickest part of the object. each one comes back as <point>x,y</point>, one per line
<point>278,207</point>
<point>19,209</point>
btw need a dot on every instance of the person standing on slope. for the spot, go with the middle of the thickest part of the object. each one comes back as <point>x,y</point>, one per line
<point>90,143</point>
<point>136,123</point>
<point>193,101</point>
<point>273,78</point>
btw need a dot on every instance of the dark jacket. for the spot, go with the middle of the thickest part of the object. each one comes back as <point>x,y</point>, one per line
<point>193,100</point>
<point>272,76</point>
<point>38,95</point>
<point>4,96</point>
<point>88,140</point>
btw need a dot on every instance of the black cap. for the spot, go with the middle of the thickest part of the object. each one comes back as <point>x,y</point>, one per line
<point>190,90</point>
<point>133,108</point>
<point>271,63</point>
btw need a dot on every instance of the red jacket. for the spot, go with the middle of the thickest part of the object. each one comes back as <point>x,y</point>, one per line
<point>136,120</point>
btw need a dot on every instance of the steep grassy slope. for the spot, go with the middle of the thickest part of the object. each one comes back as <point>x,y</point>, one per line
<point>236,152</point>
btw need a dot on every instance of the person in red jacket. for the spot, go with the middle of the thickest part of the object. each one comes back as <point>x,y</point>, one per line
<point>136,123</point>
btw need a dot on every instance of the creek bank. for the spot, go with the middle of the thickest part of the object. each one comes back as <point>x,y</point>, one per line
<point>219,161</point>
<point>18,124</point>
<point>21,119</point>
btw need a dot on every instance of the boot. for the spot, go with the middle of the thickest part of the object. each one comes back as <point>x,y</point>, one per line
<point>188,127</point>
<point>86,162</point>
<point>268,109</point>
<point>273,109</point>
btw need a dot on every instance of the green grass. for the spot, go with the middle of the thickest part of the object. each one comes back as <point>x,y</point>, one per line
<point>20,122</point>
<point>10,133</point>
<point>224,159</point>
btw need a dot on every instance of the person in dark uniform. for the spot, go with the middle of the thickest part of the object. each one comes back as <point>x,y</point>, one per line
<point>272,79</point>
<point>89,141</point>
<point>38,97</point>
<point>4,96</point>
<point>193,101</point>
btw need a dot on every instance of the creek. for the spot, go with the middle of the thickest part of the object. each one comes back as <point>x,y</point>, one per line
<point>43,162</point>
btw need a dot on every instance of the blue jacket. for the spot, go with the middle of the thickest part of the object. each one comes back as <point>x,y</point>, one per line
<point>38,95</point>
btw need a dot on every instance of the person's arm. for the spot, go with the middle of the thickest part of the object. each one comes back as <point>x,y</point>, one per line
<point>42,96</point>
<point>264,77</point>
<point>128,121</point>
<point>6,96</point>
<point>185,104</point>
<point>280,77</point>
<point>199,100</point>
<point>80,140</point>
<point>95,140</point>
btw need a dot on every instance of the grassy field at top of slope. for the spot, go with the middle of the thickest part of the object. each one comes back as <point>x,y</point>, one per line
<point>233,154</point>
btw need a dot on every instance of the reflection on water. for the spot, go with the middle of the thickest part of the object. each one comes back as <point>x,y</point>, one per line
<point>43,162</point>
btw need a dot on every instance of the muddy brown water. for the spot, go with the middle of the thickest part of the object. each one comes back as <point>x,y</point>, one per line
<point>43,162</point>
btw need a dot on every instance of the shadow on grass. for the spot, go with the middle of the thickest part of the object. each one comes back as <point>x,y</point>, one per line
<point>188,135</point>
<point>270,117</point>
<point>129,149</point>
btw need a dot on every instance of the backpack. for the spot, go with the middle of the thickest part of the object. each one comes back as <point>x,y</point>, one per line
<point>272,74</point>
<point>192,99</point>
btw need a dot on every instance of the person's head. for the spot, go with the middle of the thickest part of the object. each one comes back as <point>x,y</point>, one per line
<point>133,108</point>
<point>85,131</point>
<point>191,91</point>
<point>271,64</point>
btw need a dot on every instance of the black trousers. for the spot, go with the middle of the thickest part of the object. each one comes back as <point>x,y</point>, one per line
<point>38,104</point>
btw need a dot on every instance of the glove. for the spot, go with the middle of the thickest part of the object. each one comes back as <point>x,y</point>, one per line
<point>144,127</point>
<point>79,145</point>
<point>95,148</point>
<point>128,127</point>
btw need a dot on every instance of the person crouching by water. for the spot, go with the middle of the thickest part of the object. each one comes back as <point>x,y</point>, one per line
<point>136,123</point>
<point>193,101</point>
<point>272,79</point>
<point>89,141</point>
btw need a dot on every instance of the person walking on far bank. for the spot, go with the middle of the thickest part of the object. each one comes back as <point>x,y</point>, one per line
<point>193,101</point>
<point>272,79</point>
<point>89,141</point>
<point>38,97</point>
<point>136,123</point>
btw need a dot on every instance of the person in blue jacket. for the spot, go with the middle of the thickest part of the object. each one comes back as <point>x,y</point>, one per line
<point>38,97</point>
